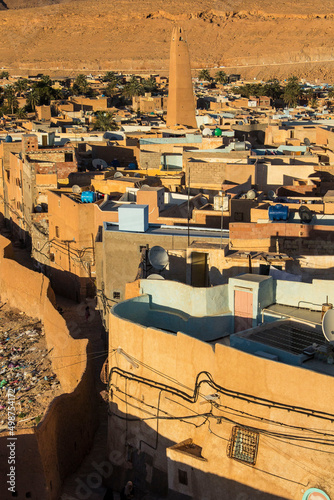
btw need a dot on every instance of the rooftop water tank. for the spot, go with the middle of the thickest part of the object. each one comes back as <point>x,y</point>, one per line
<point>218,132</point>
<point>8,138</point>
<point>278,212</point>
<point>88,197</point>
<point>132,166</point>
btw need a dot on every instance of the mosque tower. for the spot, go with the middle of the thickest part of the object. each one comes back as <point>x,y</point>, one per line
<point>181,103</point>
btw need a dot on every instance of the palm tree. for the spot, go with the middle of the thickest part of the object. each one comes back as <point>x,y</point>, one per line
<point>21,113</point>
<point>20,86</point>
<point>80,84</point>
<point>110,76</point>
<point>4,75</point>
<point>292,92</point>
<point>33,99</point>
<point>133,88</point>
<point>105,121</point>
<point>110,89</point>
<point>221,77</point>
<point>150,85</point>
<point>204,75</point>
<point>331,92</point>
<point>11,99</point>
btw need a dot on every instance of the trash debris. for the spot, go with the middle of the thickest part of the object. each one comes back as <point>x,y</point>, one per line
<point>25,367</point>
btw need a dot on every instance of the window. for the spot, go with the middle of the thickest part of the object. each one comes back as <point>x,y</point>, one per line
<point>183,477</point>
<point>52,257</point>
<point>243,445</point>
<point>117,295</point>
<point>68,156</point>
<point>57,231</point>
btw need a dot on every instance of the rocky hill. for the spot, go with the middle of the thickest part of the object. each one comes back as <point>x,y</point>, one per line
<point>257,39</point>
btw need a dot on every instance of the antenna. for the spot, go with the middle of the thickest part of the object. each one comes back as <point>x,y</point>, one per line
<point>76,189</point>
<point>99,164</point>
<point>118,175</point>
<point>305,214</point>
<point>158,257</point>
<point>328,325</point>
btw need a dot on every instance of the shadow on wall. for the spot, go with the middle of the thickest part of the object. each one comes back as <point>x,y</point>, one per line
<point>46,454</point>
<point>139,453</point>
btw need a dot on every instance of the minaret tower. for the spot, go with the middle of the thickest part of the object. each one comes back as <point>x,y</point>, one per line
<point>181,103</point>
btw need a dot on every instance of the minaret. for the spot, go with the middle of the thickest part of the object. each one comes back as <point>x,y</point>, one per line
<point>181,103</point>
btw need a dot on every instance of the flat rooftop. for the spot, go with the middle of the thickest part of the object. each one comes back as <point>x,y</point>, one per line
<point>156,229</point>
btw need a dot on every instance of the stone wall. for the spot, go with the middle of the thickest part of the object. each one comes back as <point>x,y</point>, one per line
<point>47,453</point>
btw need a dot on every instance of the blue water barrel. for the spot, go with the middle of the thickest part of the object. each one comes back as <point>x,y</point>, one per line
<point>278,212</point>
<point>88,197</point>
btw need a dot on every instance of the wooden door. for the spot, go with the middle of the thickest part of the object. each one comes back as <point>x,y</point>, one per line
<point>243,310</point>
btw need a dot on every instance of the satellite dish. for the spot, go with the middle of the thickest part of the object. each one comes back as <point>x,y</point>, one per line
<point>307,141</point>
<point>99,164</point>
<point>118,175</point>
<point>328,325</point>
<point>76,189</point>
<point>155,277</point>
<point>145,186</point>
<point>305,214</point>
<point>251,194</point>
<point>137,174</point>
<point>158,257</point>
<point>271,195</point>
<point>207,131</point>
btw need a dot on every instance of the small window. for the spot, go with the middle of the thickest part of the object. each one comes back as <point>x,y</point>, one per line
<point>243,445</point>
<point>117,295</point>
<point>57,231</point>
<point>52,257</point>
<point>183,477</point>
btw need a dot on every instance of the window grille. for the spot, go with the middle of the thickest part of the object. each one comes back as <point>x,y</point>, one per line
<point>243,445</point>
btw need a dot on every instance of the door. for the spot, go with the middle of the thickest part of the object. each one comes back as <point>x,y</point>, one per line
<point>243,310</point>
<point>198,269</point>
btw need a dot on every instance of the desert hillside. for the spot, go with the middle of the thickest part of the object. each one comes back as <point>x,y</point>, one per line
<point>257,39</point>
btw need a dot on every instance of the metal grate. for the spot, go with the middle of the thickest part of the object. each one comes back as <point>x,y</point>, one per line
<point>289,337</point>
<point>243,445</point>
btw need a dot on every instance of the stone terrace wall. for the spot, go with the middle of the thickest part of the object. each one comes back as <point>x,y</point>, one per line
<point>47,453</point>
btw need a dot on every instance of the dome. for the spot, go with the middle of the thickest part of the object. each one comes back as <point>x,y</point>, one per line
<point>8,138</point>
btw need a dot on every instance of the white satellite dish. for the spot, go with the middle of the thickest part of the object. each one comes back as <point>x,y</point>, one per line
<point>206,131</point>
<point>158,257</point>
<point>118,175</point>
<point>76,189</point>
<point>328,325</point>
<point>251,194</point>
<point>98,163</point>
<point>145,186</point>
<point>155,277</point>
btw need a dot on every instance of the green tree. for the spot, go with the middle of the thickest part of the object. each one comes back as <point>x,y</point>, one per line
<point>292,92</point>
<point>105,121</point>
<point>11,99</point>
<point>331,92</point>
<point>110,89</point>
<point>133,88</point>
<point>80,85</point>
<point>4,75</point>
<point>150,85</point>
<point>110,76</point>
<point>21,86</point>
<point>221,77</point>
<point>21,113</point>
<point>204,75</point>
<point>33,100</point>
<point>273,89</point>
